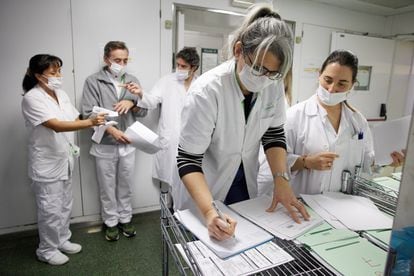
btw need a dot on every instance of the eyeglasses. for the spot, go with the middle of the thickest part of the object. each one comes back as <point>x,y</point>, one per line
<point>263,71</point>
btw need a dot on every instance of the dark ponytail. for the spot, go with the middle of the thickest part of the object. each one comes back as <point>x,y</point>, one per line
<point>37,65</point>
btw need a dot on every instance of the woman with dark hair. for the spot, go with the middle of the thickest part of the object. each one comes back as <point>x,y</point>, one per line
<point>51,120</point>
<point>325,134</point>
<point>229,110</point>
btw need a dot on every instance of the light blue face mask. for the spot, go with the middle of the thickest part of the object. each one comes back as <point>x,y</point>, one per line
<point>332,99</point>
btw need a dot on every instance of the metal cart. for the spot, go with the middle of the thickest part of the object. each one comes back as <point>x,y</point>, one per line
<point>173,233</point>
<point>385,198</point>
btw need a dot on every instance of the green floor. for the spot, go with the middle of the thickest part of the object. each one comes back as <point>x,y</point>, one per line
<point>136,256</point>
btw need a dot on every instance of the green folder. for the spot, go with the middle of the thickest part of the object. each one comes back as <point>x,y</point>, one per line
<point>322,235</point>
<point>354,256</point>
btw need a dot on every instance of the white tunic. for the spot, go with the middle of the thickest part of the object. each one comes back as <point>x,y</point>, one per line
<point>170,94</point>
<point>49,158</point>
<point>309,131</point>
<point>213,124</point>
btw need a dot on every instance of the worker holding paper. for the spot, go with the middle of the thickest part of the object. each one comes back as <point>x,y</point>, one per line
<point>229,110</point>
<point>108,89</point>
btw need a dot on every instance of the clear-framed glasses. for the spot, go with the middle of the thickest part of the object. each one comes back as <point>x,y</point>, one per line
<point>263,71</point>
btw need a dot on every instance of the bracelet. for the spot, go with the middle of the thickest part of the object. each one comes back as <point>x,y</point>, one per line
<point>303,160</point>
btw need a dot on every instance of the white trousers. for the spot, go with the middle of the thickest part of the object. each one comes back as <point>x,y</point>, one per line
<point>115,177</point>
<point>54,206</point>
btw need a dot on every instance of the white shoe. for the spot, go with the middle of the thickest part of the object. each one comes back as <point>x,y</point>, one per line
<point>70,248</point>
<point>57,259</point>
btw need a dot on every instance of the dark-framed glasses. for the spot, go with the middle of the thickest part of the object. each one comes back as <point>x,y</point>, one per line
<point>259,71</point>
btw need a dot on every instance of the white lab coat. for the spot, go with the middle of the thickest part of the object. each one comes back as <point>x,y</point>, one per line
<point>309,131</point>
<point>170,94</point>
<point>48,157</point>
<point>213,124</point>
<point>50,167</point>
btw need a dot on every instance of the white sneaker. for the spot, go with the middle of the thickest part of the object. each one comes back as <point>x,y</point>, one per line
<point>57,259</point>
<point>70,248</point>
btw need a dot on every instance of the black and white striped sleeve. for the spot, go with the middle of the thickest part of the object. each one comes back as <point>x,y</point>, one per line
<point>274,137</point>
<point>188,162</point>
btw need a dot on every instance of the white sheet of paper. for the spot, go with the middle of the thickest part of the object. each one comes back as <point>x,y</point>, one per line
<point>333,221</point>
<point>100,131</point>
<point>355,212</point>
<point>249,262</point>
<point>143,138</point>
<point>279,222</point>
<point>247,234</point>
<point>110,113</point>
<point>390,136</point>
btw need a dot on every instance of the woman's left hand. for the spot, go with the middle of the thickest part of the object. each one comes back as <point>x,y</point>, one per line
<point>133,88</point>
<point>123,106</point>
<point>398,158</point>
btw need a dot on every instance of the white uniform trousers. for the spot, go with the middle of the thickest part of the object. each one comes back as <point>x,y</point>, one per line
<point>115,177</point>
<point>54,205</point>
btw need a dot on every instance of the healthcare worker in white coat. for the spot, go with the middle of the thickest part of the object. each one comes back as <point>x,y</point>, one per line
<point>325,134</point>
<point>169,93</point>
<point>51,119</point>
<point>229,111</point>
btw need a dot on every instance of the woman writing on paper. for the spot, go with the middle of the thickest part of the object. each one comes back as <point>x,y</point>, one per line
<point>228,112</point>
<point>325,134</point>
<point>51,120</point>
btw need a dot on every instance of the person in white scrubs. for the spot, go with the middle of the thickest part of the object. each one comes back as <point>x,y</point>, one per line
<point>325,134</point>
<point>51,119</point>
<point>108,88</point>
<point>169,93</point>
<point>228,112</point>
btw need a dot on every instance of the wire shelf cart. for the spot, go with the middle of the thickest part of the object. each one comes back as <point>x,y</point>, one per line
<point>385,198</point>
<point>173,233</point>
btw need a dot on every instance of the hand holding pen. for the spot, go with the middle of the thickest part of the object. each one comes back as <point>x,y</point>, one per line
<point>133,88</point>
<point>220,226</point>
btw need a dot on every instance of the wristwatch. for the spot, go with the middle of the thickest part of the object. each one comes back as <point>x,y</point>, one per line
<point>285,175</point>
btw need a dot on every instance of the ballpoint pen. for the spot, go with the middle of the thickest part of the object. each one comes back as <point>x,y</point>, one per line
<point>220,214</point>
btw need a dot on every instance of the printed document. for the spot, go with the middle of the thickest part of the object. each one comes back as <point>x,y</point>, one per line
<point>251,261</point>
<point>247,234</point>
<point>355,212</point>
<point>390,136</point>
<point>278,222</point>
<point>143,138</point>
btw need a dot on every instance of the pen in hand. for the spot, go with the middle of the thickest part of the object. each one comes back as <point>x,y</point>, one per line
<point>220,214</point>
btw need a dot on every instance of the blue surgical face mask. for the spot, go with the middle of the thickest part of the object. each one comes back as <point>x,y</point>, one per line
<point>251,82</point>
<point>331,99</point>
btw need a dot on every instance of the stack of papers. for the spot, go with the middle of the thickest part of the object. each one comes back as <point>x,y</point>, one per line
<point>388,183</point>
<point>254,260</point>
<point>397,176</point>
<point>324,234</point>
<point>353,212</point>
<point>100,130</point>
<point>247,234</point>
<point>279,222</point>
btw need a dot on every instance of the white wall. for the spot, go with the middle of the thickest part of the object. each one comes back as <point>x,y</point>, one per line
<point>76,31</point>
<point>27,28</point>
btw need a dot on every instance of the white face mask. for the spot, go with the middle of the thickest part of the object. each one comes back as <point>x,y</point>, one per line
<point>332,98</point>
<point>54,83</point>
<point>117,70</point>
<point>251,82</point>
<point>182,75</point>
